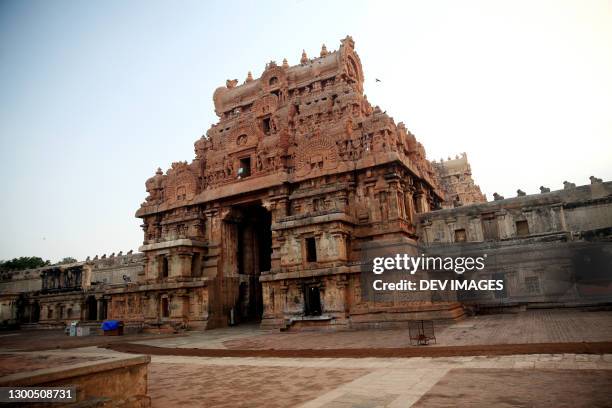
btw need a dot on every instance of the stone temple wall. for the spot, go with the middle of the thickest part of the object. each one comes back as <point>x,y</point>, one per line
<point>54,295</point>
<point>572,210</point>
<point>21,281</point>
<point>117,270</point>
<point>553,248</point>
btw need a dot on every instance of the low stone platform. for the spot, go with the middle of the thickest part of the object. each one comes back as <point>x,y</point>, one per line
<point>16,363</point>
<point>101,381</point>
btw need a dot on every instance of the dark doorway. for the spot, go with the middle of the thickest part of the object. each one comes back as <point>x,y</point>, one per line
<point>164,271</point>
<point>35,312</point>
<point>92,308</point>
<point>165,307</point>
<point>22,309</point>
<point>311,250</point>
<point>245,167</point>
<point>251,225</point>
<point>312,300</point>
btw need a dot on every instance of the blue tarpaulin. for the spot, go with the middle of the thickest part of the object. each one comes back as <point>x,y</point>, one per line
<point>110,325</point>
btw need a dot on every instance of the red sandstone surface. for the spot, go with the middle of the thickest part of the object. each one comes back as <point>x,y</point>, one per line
<point>242,386</point>
<point>520,388</point>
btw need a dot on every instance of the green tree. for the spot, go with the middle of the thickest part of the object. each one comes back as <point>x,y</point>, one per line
<point>23,262</point>
<point>67,260</point>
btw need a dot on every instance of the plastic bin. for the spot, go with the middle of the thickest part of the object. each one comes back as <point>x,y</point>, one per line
<point>112,328</point>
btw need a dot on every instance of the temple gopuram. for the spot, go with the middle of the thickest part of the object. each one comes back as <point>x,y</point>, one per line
<point>266,223</point>
<point>291,194</point>
<point>455,176</point>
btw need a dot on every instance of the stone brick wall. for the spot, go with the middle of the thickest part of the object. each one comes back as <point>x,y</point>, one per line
<point>574,210</point>
<point>118,269</point>
<point>560,256</point>
<point>21,281</point>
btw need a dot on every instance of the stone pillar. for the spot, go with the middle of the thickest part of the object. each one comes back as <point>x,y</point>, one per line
<point>152,267</point>
<point>424,203</point>
<point>336,295</point>
<point>43,312</point>
<point>474,232</point>
<point>179,304</point>
<point>427,234</point>
<point>196,229</point>
<point>418,198</point>
<point>558,217</point>
<point>409,204</point>
<point>450,228</point>
<point>181,264</point>
<point>393,201</point>
<point>86,276</point>
<point>152,310</point>
<point>228,238</point>
<point>267,293</point>
<point>99,308</point>
<point>341,240</point>
<point>212,234</point>
<point>278,240</point>
<point>174,303</point>
<point>504,230</point>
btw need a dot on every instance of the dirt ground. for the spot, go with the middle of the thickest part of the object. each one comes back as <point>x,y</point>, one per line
<point>36,340</point>
<point>415,351</point>
<point>520,388</point>
<point>241,386</point>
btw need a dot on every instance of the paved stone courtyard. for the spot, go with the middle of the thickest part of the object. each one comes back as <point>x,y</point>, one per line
<point>248,385</point>
<point>492,387</point>
<point>547,380</point>
<point>537,326</point>
<point>538,380</point>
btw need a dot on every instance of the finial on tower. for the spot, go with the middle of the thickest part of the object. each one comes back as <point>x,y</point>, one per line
<point>323,50</point>
<point>249,77</point>
<point>304,59</point>
<point>285,63</point>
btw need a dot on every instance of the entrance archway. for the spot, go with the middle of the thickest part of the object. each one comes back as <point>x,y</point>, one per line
<point>92,308</point>
<point>312,300</point>
<point>248,249</point>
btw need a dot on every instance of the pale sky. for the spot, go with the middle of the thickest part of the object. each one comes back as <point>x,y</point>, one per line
<point>94,96</point>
